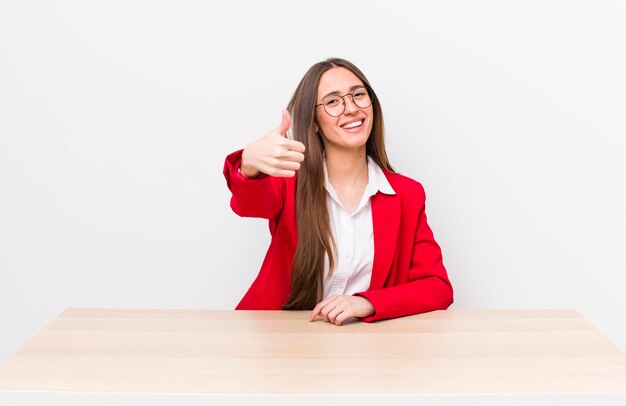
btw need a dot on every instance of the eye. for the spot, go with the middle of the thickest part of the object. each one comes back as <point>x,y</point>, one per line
<point>360,93</point>
<point>333,101</point>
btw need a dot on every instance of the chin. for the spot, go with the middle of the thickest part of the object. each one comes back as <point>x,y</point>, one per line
<point>347,141</point>
<point>355,143</point>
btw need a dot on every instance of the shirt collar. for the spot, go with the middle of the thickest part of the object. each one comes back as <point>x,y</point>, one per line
<point>376,180</point>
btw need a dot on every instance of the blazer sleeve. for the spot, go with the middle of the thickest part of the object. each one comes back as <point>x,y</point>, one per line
<point>260,197</point>
<point>427,288</point>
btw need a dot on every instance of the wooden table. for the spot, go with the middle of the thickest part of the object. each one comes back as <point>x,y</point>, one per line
<point>193,357</point>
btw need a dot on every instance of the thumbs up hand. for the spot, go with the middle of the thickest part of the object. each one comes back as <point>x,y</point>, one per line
<point>274,154</point>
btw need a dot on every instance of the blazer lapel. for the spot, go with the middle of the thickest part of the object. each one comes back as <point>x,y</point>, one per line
<point>386,224</point>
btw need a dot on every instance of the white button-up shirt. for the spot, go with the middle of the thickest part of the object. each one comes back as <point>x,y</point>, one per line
<point>354,236</point>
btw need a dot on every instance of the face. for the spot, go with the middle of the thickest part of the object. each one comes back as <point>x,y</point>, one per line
<point>352,128</point>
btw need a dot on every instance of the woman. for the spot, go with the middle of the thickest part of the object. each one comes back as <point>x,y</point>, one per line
<point>349,235</point>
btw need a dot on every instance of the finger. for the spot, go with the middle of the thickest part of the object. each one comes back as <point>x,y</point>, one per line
<point>318,308</point>
<point>316,311</point>
<point>281,173</point>
<point>283,151</point>
<point>285,123</point>
<point>283,164</point>
<point>332,315</point>
<point>323,312</point>
<point>342,317</point>
<point>329,308</point>
<point>275,171</point>
<point>294,145</point>
<point>292,156</point>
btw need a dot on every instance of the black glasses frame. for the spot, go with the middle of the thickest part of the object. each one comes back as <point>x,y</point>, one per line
<point>369,90</point>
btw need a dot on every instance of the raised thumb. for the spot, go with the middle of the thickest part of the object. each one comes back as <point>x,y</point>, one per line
<point>285,123</point>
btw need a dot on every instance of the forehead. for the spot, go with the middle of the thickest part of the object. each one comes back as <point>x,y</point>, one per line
<point>337,80</point>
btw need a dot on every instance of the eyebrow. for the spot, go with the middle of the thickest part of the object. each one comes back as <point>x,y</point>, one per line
<point>338,92</point>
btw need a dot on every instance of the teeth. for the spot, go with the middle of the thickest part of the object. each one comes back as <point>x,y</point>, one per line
<point>354,124</point>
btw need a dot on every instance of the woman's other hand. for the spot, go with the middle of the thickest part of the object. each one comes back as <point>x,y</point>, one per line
<point>274,154</point>
<point>337,308</point>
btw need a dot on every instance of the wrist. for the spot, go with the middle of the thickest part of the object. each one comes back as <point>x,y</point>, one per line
<point>247,174</point>
<point>367,307</point>
<point>245,170</point>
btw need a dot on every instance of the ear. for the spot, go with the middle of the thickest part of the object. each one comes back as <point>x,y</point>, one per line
<point>317,127</point>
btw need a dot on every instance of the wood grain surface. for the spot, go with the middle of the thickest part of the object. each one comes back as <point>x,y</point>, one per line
<point>275,352</point>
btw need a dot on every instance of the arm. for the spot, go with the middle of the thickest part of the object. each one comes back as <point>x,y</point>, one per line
<point>259,197</point>
<point>427,288</point>
<point>255,194</point>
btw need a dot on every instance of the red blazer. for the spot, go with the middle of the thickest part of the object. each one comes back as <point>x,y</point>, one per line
<point>408,276</point>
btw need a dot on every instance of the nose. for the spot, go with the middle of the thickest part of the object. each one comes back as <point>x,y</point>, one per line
<point>349,105</point>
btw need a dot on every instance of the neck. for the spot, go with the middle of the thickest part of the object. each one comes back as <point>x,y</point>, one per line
<point>346,166</point>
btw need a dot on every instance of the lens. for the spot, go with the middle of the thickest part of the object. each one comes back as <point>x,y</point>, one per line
<point>334,106</point>
<point>362,98</point>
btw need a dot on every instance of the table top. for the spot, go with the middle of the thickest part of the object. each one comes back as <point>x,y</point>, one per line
<point>279,352</point>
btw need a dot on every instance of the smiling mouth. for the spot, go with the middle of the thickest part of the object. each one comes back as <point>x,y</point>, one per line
<point>353,124</point>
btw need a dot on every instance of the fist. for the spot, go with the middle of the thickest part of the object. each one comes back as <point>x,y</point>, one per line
<point>274,154</point>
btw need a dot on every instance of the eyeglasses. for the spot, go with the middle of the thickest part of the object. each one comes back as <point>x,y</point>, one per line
<point>335,105</point>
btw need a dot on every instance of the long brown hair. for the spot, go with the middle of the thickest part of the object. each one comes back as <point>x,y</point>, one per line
<point>314,234</point>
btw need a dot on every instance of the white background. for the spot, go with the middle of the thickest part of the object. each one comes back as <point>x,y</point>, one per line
<point>116,116</point>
